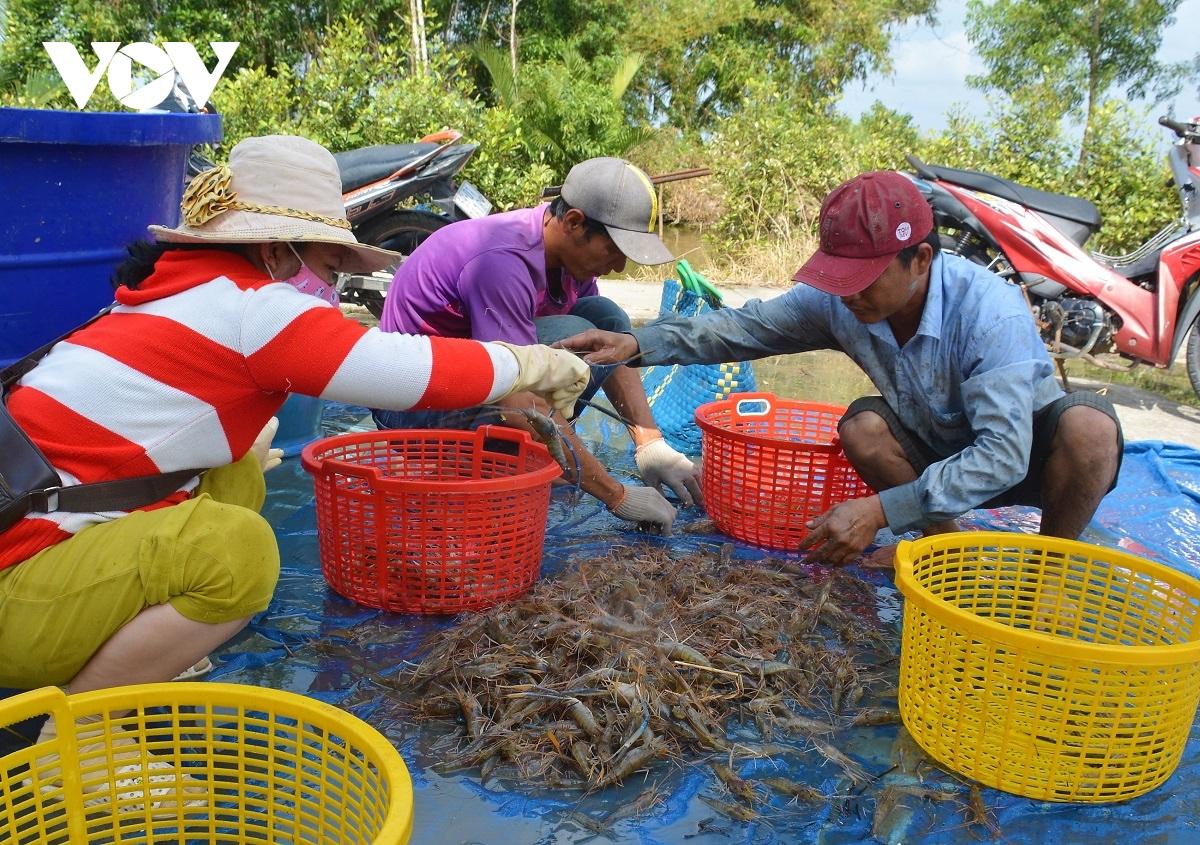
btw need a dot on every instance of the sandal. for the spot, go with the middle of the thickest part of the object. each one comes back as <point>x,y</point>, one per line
<point>197,670</point>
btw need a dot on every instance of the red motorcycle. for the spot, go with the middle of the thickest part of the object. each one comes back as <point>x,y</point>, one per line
<point>1139,305</point>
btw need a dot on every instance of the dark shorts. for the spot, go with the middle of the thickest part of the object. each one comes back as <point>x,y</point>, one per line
<point>1028,491</point>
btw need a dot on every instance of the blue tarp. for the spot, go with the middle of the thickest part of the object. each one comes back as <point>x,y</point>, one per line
<point>314,642</point>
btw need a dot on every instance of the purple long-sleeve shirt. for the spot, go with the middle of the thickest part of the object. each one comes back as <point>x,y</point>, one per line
<point>483,279</point>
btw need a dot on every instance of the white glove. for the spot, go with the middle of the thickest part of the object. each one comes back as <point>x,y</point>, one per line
<point>659,464</point>
<point>268,458</point>
<point>645,505</point>
<point>556,375</point>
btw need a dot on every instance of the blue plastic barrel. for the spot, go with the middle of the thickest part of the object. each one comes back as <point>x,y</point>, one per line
<point>77,188</point>
<point>299,423</point>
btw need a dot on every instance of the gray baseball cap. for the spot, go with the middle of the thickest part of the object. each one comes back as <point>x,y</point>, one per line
<point>614,192</point>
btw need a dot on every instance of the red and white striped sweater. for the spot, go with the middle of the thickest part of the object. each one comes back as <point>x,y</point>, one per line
<point>188,368</point>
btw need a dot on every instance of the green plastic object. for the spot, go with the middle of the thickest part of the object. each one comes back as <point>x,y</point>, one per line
<point>697,284</point>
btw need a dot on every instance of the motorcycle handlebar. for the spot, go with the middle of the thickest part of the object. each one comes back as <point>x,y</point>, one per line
<point>1179,128</point>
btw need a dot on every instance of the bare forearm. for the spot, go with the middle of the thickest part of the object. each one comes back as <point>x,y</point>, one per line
<point>624,389</point>
<point>594,478</point>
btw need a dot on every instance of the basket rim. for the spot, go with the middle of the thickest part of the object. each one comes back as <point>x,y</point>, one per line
<point>1048,644</point>
<point>319,466</point>
<point>709,427</point>
<point>397,824</point>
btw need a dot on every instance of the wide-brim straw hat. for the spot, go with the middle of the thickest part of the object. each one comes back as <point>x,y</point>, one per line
<point>275,188</point>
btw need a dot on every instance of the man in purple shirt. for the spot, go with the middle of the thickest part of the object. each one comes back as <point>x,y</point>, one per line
<point>529,276</point>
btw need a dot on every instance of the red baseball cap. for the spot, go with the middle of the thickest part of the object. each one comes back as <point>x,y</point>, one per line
<point>864,223</point>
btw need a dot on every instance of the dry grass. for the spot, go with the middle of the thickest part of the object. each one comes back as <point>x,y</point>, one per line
<point>770,263</point>
<point>692,202</point>
<point>1171,384</point>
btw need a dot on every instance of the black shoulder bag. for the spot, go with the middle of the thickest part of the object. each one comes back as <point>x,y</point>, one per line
<point>28,484</point>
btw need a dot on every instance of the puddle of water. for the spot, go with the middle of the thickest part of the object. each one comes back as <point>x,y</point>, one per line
<point>686,242</point>
<point>820,376</point>
<point>683,242</point>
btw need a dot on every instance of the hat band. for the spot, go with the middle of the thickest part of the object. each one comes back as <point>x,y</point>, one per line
<point>210,194</point>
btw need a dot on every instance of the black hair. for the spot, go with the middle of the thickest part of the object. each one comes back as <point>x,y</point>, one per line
<point>559,208</point>
<point>907,254</point>
<point>143,255</point>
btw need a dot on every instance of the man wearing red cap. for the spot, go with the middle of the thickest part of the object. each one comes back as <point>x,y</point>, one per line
<point>970,413</point>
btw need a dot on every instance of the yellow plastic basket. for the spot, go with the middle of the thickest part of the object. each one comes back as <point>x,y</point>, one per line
<point>257,766</point>
<point>1048,668</point>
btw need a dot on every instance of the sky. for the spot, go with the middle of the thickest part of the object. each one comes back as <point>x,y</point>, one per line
<point>932,64</point>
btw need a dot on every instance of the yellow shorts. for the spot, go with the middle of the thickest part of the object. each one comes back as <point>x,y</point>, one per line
<point>213,558</point>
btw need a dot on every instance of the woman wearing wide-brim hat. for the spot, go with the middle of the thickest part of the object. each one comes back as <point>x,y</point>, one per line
<point>202,348</point>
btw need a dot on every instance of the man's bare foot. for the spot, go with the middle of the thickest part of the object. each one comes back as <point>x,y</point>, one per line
<point>882,558</point>
<point>950,526</point>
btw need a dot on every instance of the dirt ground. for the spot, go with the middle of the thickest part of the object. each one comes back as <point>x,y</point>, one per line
<point>1148,416</point>
<point>1144,415</point>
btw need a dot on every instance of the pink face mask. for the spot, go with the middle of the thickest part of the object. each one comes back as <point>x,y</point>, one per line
<point>306,281</point>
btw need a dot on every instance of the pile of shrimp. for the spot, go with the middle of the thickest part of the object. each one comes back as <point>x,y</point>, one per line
<point>644,656</point>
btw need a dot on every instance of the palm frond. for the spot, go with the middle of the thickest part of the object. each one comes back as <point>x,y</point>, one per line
<point>625,73</point>
<point>499,69</point>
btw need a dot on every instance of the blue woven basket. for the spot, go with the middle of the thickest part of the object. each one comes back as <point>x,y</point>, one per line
<point>675,392</point>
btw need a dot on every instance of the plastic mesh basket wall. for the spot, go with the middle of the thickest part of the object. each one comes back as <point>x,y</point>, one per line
<point>1048,668</point>
<point>771,465</point>
<point>201,763</point>
<point>431,521</point>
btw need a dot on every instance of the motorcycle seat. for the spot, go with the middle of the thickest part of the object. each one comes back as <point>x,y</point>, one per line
<point>1143,266</point>
<point>1059,205</point>
<point>367,164</point>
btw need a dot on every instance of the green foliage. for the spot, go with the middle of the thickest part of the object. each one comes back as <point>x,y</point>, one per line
<point>572,109</point>
<point>358,92</point>
<point>1023,141</point>
<point>502,167</point>
<point>256,102</point>
<point>39,90</point>
<point>1125,175</point>
<point>882,138</point>
<point>350,83</point>
<point>1071,45</point>
<point>700,54</point>
<point>745,87</point>
<point>498,66</point>
<point>1074,50</point>
<point>270,32</point>
<point>778,157</point>
<point>775,159</point>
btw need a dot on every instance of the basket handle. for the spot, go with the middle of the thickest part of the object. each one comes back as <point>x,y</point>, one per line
<point>39,702</point>
<point>52,701</point>
<point>501,432</point>
<point>753,404</point>
<point>903,560</point>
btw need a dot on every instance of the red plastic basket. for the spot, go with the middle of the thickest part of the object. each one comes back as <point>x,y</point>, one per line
<point>431,521</point>
<point>771,465</point>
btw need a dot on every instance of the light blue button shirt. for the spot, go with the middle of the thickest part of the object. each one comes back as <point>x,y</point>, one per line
<point>967,383</point>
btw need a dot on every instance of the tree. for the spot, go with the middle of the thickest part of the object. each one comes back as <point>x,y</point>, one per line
<point>1076,49</point>
<point>700,54</point>
<point>270,32</point>
<point>570,108</point>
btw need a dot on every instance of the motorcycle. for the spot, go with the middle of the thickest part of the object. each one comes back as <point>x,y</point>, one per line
<point>1140,306</point>
<point>376,179</point>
